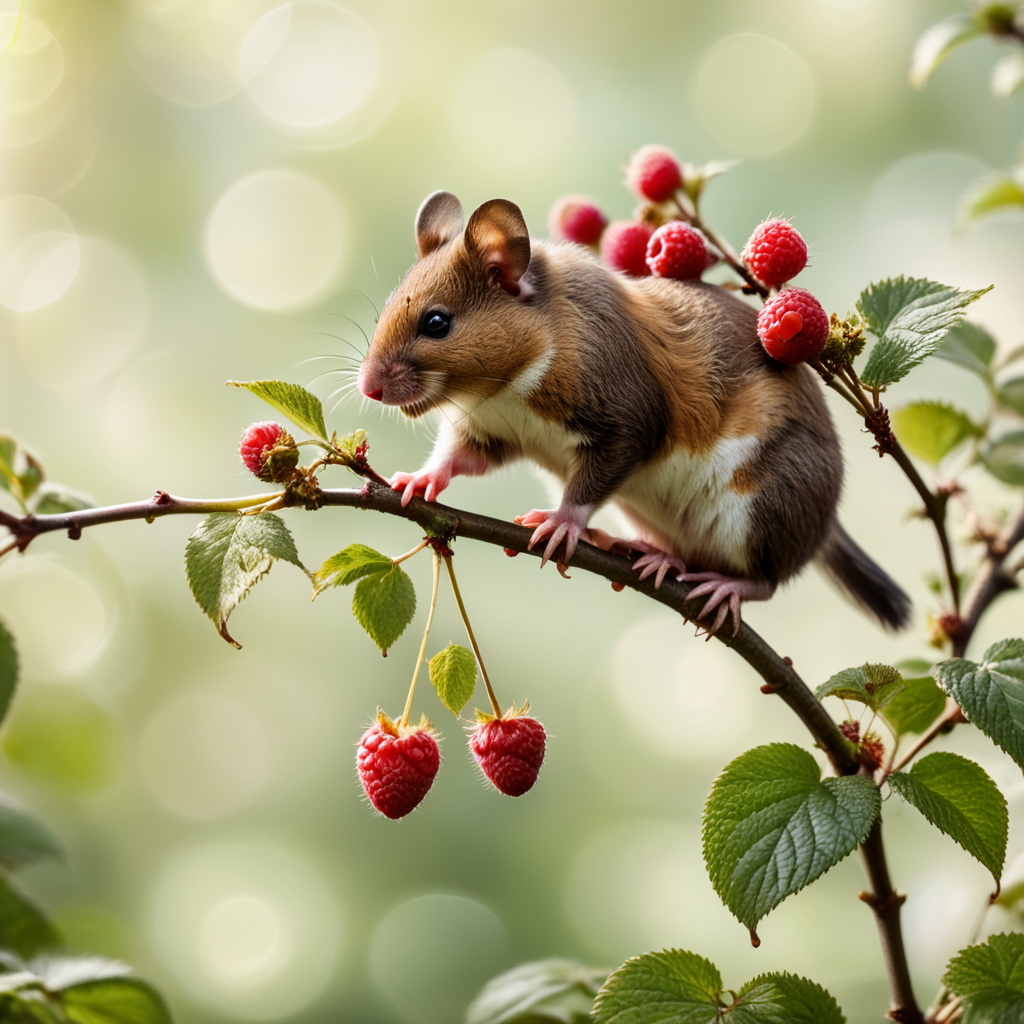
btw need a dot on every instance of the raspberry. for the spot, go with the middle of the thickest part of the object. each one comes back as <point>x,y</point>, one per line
<point>792,326</point>
<point>624,247</point>
<point>257,440</point>
<point>510,750</point>
<point>678,251</point>
<point>871,752</point>
<point>775,252</point>
<point>576,219</point>
<point>397,764</point>
<point>653,173</point>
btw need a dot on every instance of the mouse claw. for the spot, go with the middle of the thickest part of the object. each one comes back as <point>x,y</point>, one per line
<point>726,593</point>
<point>559,528</point>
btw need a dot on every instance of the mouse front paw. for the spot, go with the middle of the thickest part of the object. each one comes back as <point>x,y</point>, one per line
<point>560,527</point>
<point>655,562</point>
<point>429,482</point>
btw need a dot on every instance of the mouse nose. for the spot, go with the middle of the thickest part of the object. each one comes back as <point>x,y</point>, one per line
<point>367,388</point>
<point>375,395</point>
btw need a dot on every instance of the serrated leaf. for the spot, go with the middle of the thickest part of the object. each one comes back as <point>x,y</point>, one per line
<point>347,566</point>
<point>1004,458</point>
<point>453,673</point>
<point>24,928</point>
<point>784,999</point>
<point>970,346</point>
<point>56,500</point>
<point>1011,394</point>
<point>226,557</point>
<point>8,670</point>
<point>938,42</point>
<point>384,605</point>
<point>991,693</point>
<point>987,195</point>
<point>1008,75</point>
<point>989,978</point>
<point>931,430</point>
<point>555,991</point>
<point>873,685</point>
<point>916,706</point>
<point>302,408</point>
<point>958,798</point>
<point>772,826</point>
<point>671,987</point>
<point>910,317</point>
<point>23,840</point>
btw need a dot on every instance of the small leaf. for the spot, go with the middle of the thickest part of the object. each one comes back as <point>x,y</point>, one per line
<point>671,987</point>
<point>302,408</point>
<point>114,1001</point>
<point>1011,394</point>
<point>453,673</point>
<point>347,566</point>
<point>990,194</point>
<point>1004,458</point>
<point>23,840</point>
<point>384,605</point>
<point>784,999</point>
<point>970,346</point>
<point>989,978</point>
<point>958,798</point>
<point>8,454</point>
<point>8,670</point>
<point>1008,75</point>
<point>226,557</point>
<point>873,685</point>
<point>910,317</point>
<point>991,694</point>
<point>938,42</point>
<point>24,928</point>
<point>555,991</point>
<point>56,500</point>
<point>931,430</point>
<point>916,706</point>
<point>772,826</point>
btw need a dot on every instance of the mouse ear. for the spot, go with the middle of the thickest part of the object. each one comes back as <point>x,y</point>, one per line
<point>439,220</point>
<point>497,235</point>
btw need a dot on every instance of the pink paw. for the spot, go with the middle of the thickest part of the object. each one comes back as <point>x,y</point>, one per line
<point>657,562</point>
<point>428,482</point>
<point>724,593</point>
<point>559,527</point>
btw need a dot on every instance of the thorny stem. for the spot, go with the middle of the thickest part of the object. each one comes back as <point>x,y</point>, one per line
<point>472,639</point>
<point>426,635</point>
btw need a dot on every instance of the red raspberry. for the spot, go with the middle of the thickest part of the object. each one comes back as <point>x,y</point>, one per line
<point>775,252</point>
<point>871,752</point>
<point>576,219</point>
<point>792,326</point>
<point>654,173</point>
<point>678,251</point>
<point>510,750</point>
<point>624,247</point>
<point>257,440</point>
<point>397,764</point>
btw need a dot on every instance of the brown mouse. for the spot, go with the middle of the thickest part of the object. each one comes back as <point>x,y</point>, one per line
<point>651,393</point>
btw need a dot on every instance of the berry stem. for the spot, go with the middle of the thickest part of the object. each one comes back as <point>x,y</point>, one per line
<point>426,633</point>
<point>472,639</point>
<point>415,551</point>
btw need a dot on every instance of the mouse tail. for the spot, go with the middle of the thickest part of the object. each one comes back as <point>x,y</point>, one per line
<point>864,582</point>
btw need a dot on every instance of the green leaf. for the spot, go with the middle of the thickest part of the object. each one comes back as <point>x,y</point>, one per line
<point>970,346</point>
<point>56,500</point>
<point>8,454</point>
<point>28,1006</point>
<point>1011,394</point>
<point>347,566</point>
<point>991,693</point>
<point>989,978</point>
<point>958,798</point>
<point>671,987</point>
<point>772,826</point>
<point>544,992</point>
<point>910,317</point>
<point>226,557</point>
<point>916,706</point>
<point>302,408</point>
<point>938,42</point>
<point>1008,75</point>
<point>931,430</point>
<point>8,670</point>
<point>784,999</point>
<point>990,194</point>
<point>23,840</point>
<point>24,928</point>
<point>874,685</point>
<point>1004,458</point>
<point>453,673</point>
<point>115,1001</point>
<point>384,605</point>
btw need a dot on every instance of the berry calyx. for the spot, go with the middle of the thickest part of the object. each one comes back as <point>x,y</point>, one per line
<point>510,749</point>
<point>624,247</point>
<point>576,219</point>
<point>397,764</point>
<point>678,251</point>
<point>793,326</point>
<point>654,173</point>
<point>268,451</point>
<point>775,252</point>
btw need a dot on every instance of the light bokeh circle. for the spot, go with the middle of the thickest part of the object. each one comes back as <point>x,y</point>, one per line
<point>39,253</point>
<point>32,68</point>
<point>275,240</point>
<point>754,94</point>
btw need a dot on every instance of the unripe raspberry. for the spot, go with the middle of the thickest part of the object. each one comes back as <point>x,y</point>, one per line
<point>397,764</point>
<point>257,440</point>
<point>678,251</point>
<point>654,173</point>
<point>775,252</point>
<point>576,219</point>
<point>509,750</point>
<point>624,247</point>
<point>792,326</point>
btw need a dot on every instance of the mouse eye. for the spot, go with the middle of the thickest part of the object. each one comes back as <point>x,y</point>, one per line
<point>436,323</point>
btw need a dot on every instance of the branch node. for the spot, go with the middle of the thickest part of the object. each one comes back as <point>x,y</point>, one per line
<point>767,688</point>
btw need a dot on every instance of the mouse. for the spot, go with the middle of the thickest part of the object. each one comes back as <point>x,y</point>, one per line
<point>651,394</point>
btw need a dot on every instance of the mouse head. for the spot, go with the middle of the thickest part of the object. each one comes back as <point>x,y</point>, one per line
<point>455,323</point>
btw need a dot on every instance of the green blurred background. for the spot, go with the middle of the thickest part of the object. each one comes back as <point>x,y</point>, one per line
<point>200,190</point>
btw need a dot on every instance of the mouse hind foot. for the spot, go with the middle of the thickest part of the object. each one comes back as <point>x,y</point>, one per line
<point>726,593</point>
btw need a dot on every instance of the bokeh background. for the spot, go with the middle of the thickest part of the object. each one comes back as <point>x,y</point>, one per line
<point>193,191</point>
